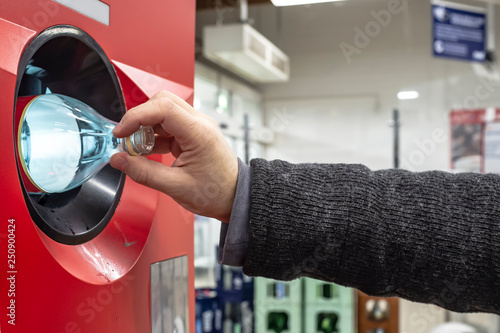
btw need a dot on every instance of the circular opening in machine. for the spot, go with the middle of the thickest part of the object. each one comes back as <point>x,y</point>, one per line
<point>66,60</point>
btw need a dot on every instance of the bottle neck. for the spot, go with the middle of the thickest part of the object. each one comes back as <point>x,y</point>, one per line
<point>139,143</point>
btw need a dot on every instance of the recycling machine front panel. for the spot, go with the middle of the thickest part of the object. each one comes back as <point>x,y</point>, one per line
<point>110,255</point>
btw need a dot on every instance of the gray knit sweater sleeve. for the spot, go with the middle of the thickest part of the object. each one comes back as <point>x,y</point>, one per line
<point>429,237</point>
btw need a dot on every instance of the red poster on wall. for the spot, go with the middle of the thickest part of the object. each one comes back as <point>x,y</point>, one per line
<point>475,140</point>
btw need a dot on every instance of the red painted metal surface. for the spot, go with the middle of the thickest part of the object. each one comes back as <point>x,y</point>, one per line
<point>102,285</point>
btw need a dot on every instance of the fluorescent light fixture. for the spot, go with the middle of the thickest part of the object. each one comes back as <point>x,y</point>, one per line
<point>407,95</point>
<point>281,3</point>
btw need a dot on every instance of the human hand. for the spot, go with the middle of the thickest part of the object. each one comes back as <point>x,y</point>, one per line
<point>204,175</point>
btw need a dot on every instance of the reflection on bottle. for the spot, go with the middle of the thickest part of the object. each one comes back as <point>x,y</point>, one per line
<point>228,322</point>
<point>246,318</point>
<point>278,290</point>
<point>228,326</point>
<point>179,325</point>
<point>207,318</point>
<point>63,142</point>
<point>377,310</point>
<point>327,322</point>
<point>277,322</point>
<point>227,282</point>
<point>218,320</point>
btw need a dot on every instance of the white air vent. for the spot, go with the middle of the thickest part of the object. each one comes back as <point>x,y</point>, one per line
<point>243,50</point>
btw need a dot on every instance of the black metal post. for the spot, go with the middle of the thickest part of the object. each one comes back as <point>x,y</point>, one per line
<point>396,125</point>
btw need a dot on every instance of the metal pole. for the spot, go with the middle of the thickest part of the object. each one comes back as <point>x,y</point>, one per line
<point>395,119</point>
<point>491,27</point>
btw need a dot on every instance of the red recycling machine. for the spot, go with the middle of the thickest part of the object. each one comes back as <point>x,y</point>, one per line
<point>111,255</point>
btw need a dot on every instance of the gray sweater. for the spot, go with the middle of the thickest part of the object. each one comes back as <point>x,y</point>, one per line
<point>429,237</point>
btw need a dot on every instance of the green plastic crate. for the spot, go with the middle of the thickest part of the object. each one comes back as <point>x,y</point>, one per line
<point>334,318</point>
<point>273,293</point>
<point>287,316</point>
<point>323,293</point>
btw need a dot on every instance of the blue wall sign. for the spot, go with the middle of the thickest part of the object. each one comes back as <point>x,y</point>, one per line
<point>459,32</point>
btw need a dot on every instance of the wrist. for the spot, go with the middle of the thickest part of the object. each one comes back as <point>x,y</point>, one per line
<point>231,187</point>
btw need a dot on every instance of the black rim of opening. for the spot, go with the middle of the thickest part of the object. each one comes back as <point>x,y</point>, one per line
<point>76,216</point>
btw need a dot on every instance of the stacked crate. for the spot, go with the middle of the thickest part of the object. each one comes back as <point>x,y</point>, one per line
<point>328,307</point>
<point>278,306</point>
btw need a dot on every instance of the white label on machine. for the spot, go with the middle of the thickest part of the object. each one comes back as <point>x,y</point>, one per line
<point>94,9</point>
<point>170,296</point>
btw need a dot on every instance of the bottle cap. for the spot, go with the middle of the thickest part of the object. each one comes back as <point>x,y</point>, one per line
<point>141,142</point>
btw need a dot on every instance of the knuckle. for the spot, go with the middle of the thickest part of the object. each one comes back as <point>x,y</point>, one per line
<point>131,113</point>
<point>213,122</point>
<point>160,94</point>
<point>208,129</point>
<point>164,103</point>
<point>204,128</point>
<point>134,114</point>
<point>207,124</point>
<point>141,176</point>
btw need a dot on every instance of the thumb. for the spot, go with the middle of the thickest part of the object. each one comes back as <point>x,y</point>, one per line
<point>146,172</point>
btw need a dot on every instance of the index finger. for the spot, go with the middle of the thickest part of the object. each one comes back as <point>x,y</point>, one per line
<point>163,111</point>
<point>176,99</point>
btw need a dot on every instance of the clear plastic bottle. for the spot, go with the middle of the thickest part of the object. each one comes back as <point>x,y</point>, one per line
<point>63,142</point>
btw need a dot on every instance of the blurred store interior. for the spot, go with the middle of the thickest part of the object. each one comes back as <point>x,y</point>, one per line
<point>342,70</point>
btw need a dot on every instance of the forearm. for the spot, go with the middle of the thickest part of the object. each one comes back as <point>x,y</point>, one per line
<point>428,237</point>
